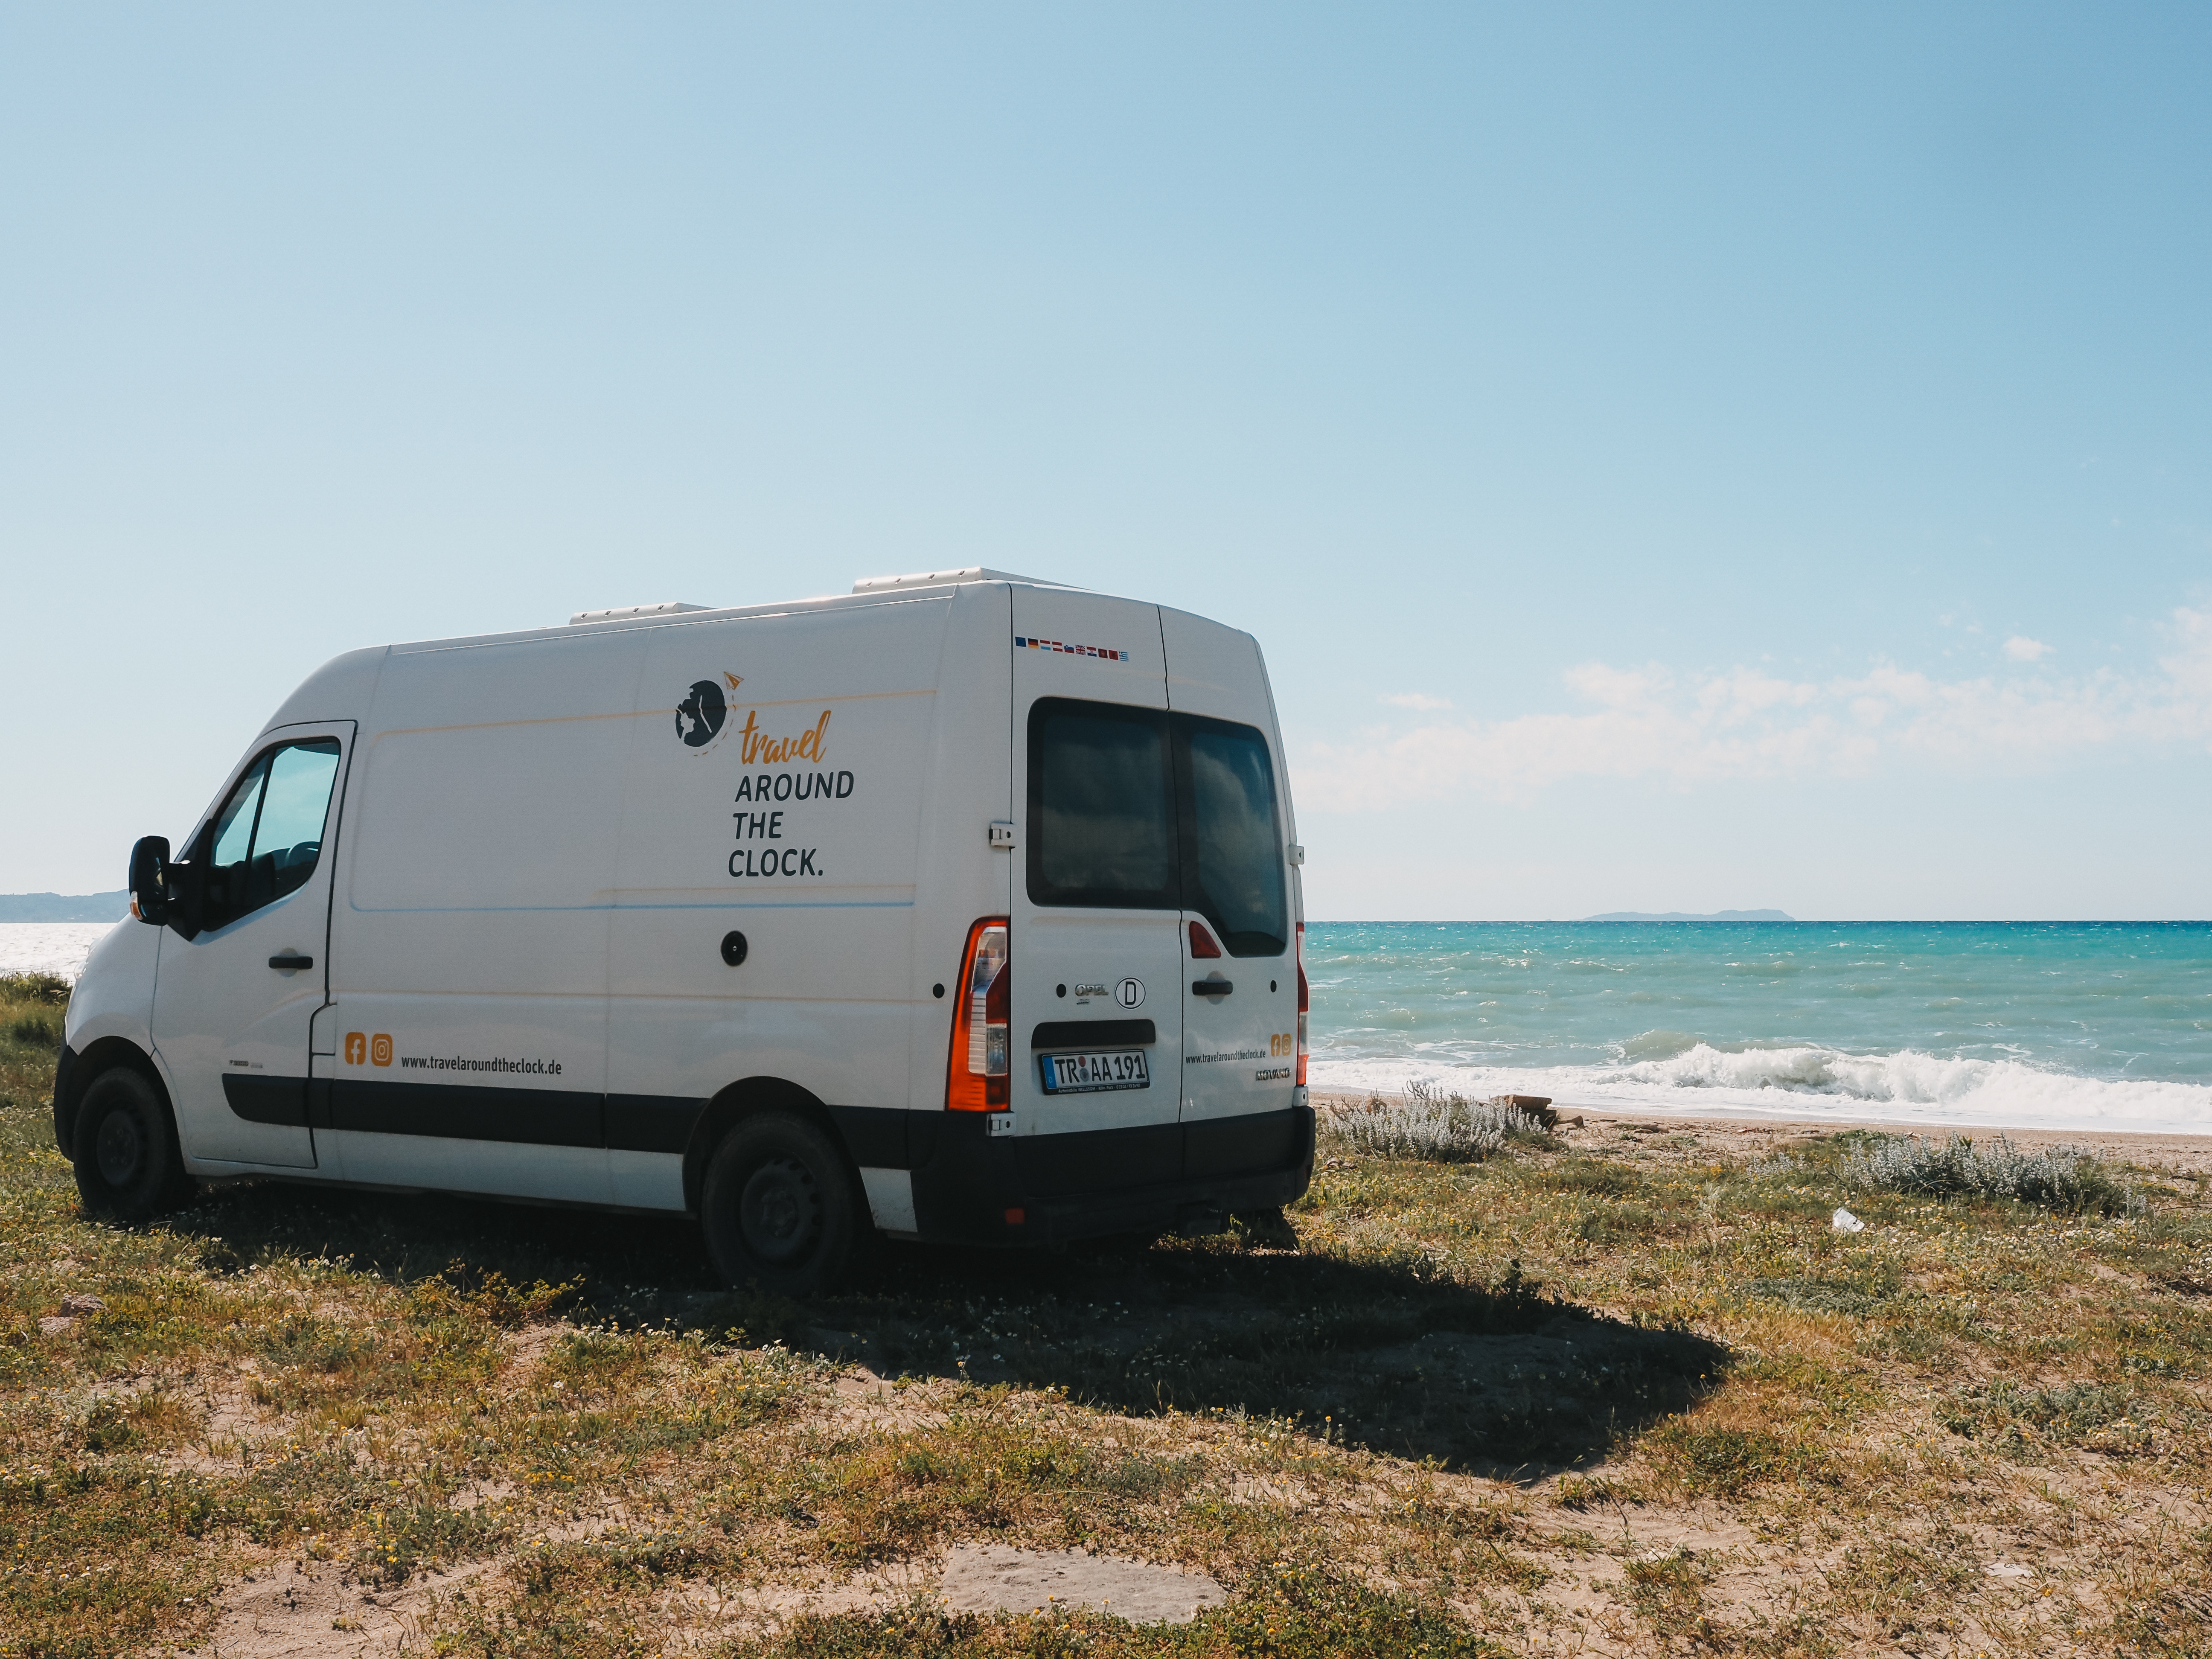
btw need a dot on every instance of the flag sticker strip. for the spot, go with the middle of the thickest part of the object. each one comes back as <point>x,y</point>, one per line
<point>1104,654</point>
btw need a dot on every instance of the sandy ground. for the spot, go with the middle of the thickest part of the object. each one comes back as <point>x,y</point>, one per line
<point>1589,1127</point>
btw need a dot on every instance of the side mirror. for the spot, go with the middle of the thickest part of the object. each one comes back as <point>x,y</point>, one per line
<point>150,880</point>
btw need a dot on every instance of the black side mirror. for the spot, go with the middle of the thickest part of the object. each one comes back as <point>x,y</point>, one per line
<point>149,879</point>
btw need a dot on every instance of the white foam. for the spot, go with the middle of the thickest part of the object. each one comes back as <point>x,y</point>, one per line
<point>1810,1081</point>
<point>49,947</point>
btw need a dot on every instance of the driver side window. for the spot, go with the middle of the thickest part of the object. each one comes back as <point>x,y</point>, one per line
<point>267,839</point>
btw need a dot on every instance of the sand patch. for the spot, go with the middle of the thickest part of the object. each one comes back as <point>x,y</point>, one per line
<point>995,1578</point>
<point>312,1610</point>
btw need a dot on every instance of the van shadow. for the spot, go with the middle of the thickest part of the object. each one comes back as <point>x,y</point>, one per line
<point>1393,1352</point>
<point>619,1268</point>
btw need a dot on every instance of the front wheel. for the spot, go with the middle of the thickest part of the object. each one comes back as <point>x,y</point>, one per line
<point>777,1206</point>
<point>128,1163</point>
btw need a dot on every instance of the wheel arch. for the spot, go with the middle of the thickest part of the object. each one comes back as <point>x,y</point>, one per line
<point>75,1071</point>
<point>750,1097</point>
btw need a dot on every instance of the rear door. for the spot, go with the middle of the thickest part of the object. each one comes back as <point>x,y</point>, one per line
<point>1096,948</point>
<point>1240,1007</point>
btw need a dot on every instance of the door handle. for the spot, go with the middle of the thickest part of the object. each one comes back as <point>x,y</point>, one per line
<point>290,960</point>
<point>1211,988</point>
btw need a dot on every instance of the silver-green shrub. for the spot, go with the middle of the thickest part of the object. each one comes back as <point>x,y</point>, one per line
<point>2065,1178</point>
<point>1426,1123</point>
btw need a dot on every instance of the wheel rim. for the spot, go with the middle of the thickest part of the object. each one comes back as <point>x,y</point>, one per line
<point>778,1212</point>
<point>121,1149</point>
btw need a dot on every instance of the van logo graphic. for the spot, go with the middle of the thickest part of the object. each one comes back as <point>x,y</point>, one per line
<point>360,1047</point>
<point>1130,993</point>
<point>698,717</point>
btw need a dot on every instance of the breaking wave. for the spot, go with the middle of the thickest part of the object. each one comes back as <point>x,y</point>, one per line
<point>1808,1080</point>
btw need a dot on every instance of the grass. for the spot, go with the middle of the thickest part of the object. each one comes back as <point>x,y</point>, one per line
<point>1595,1392</point>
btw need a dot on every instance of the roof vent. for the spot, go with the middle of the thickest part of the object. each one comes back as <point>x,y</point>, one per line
<point>631,612</point>
<point>974,572</point>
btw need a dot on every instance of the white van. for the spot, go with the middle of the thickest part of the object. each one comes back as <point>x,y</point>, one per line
<point>965,905</point>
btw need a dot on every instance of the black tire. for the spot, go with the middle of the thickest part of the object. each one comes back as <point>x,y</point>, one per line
<point>129,1165</point>
<point>778,1208</point>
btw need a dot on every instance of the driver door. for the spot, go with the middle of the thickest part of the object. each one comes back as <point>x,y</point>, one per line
<point>231,1005</point>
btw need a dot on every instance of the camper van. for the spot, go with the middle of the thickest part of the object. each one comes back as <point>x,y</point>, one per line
<point>961,907</point>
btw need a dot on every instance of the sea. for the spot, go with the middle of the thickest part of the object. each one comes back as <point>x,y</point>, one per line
<point>2030,1025</point>
<point>2025,1025</point>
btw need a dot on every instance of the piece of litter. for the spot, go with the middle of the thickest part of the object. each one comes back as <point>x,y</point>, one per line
<point>1845,1222</point>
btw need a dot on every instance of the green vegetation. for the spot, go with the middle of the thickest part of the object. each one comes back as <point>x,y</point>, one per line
<point>1597,1391</point>
<point>1427,1122</point>
<point>2063,1178</point>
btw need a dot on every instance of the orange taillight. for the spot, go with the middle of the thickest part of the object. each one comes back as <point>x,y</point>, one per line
<point>977,1067</point>
<point>1303,1000</point>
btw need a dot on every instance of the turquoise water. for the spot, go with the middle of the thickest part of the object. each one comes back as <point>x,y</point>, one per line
<point>2042,1024</point>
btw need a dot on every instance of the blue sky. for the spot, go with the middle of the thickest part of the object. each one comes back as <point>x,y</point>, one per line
<point>1715,456</point>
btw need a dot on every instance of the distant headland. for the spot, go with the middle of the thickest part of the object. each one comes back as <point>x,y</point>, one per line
<point>1683,915</point>
<point>64,907</point>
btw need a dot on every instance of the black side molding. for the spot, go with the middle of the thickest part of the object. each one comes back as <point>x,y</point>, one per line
<point>1093,1033</point>
<point>280,1100</point>
<point>650,1123</point>
<point>540,1117</point>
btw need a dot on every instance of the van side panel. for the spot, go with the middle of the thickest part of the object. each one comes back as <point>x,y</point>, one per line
<point>773,789</point>
<point>469,949</point>
<point>966,785</point>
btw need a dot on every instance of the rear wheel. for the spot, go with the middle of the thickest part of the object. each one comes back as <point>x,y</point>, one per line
<point>777,1206</point>
<point>128,1163</point>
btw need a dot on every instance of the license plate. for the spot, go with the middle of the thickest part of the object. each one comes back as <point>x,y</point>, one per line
<point>1083,1075</point>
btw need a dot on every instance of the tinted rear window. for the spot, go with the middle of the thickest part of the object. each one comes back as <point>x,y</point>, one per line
<point>1137,809</point>
<point>1101,806</point>
<point>1235,877</point>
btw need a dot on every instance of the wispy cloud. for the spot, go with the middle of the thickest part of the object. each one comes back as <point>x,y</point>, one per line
<point>2020,648</point>
<point>1420,699</point>
<point>1649,722</point>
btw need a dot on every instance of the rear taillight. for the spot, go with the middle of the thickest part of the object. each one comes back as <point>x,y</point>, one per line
<point>1201,943</point>
<point>976,1069</point>
<point>1303,1000</point>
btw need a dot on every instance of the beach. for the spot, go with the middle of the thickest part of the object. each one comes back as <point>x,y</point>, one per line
<point>1589,1129</point>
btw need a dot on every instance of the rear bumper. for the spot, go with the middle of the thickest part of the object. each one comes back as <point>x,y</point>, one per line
<point>1048,1189</point>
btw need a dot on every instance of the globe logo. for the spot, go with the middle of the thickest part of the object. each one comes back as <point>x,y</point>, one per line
<point>700,715</point>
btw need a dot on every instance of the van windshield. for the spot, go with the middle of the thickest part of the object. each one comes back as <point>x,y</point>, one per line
<point>1139,809</point>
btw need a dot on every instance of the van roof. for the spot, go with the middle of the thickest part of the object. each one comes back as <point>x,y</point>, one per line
<point>974,572</point>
